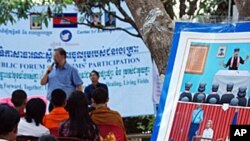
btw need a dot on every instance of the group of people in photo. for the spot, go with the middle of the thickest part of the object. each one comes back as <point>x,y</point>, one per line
<point>239,99</point>
<point>73,112</point>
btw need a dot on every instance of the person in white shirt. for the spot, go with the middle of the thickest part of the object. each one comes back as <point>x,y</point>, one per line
<point>9,119</point>
<point>31,125</point>
<point>208,132</point>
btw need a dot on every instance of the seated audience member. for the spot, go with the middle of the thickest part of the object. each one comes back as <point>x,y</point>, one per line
<point>187,92</point>
<point>208,132</point>
<point>102,114</point>
<point>31,125</point>
<point>94,77</point>
<point>214,95</point>
<point>9,119</point>
<point>47,138</point>
<point>19,99</point>
<point>201,90</point>
<point>241,96</point>
<point>79,124</point>
<point>228,96</point>
<point>58,114</point>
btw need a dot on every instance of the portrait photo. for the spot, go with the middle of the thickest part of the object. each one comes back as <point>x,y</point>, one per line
<point>110,20</point>
<point>96,19</point>
<point>210,77</point>
<point>221,51</point>
<point>35,22</point>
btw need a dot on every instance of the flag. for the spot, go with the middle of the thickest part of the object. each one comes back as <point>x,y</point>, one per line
<point>235,118</point>
<point>65,20</point>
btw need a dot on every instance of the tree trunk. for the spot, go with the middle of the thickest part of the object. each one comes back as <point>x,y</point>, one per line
<point>243,8</point>
<point>155,26</point>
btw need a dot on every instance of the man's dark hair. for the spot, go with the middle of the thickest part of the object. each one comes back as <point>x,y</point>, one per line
<point>58,97</point>
<point>9,118</point>
<point>96,72</point>
<point>35,110</point>
<point>236,49</point>
<point>18,97</point>
<point>61,51</point>
<point>100,96</point>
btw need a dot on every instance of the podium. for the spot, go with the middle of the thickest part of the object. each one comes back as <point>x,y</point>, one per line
<point>239,78</point>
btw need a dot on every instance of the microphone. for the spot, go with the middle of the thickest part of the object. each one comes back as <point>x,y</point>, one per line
<point>52,65</point>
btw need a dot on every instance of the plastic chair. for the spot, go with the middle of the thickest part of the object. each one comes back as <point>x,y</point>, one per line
<point>54,131</point>
<point>109,131</point>
<point>68,139</point>
<point>26,138</point>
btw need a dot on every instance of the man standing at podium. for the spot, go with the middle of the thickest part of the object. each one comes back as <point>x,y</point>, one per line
<point>234,62</point>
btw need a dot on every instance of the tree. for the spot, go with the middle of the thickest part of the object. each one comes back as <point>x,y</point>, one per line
<point>243,8</point>
<point>155,28</point>
<point>152,19</point>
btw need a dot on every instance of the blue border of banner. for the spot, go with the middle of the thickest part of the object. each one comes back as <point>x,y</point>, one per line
<point>190,27</point>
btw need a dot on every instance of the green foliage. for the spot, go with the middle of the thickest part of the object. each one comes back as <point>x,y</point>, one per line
<point>139,124</point>
<point>87,6</point>
<point>10,10</point>
<point>13,10</point>
<point>212,7</point>
<point>196,8</point>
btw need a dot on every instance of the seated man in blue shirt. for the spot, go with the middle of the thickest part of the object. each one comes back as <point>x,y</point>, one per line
<point>94,77</point>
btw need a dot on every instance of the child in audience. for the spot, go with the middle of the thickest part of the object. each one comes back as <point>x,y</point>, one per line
<point>58,114</point>
<point>31,125</point>
<point>19,99</point>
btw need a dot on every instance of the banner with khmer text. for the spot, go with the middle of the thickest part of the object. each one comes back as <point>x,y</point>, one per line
<point>123,61</point>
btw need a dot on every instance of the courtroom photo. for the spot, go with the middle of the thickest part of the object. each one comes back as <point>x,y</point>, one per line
<point>206,73</point>
<point>214,91</point>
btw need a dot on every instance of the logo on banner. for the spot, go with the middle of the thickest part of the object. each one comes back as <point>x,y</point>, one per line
<point>66,20</point>
<point>65,35</point>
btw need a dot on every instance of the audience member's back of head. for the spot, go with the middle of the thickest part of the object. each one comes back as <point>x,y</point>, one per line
<point>35,110</point>
<point>230,87</point>
<point>19,98</point>
<point>9,119</point>
<point>100,96</point>
<point>215,87</point>
<point>80,125</point>
<point>202,87</point>
<point>77,104</point>
<point>188,85</point>
<point>58,97</point>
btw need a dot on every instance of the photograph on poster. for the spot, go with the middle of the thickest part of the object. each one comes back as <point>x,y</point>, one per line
<point>35,22</point>
<point>203,95</point>
<point>96,19</point>
<point>110,19</point>
<point>221,51</point>
<point>209,91</point>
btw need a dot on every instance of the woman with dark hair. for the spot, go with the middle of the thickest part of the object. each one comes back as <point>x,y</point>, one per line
<point>31,125</point>
<point>79,123</point>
